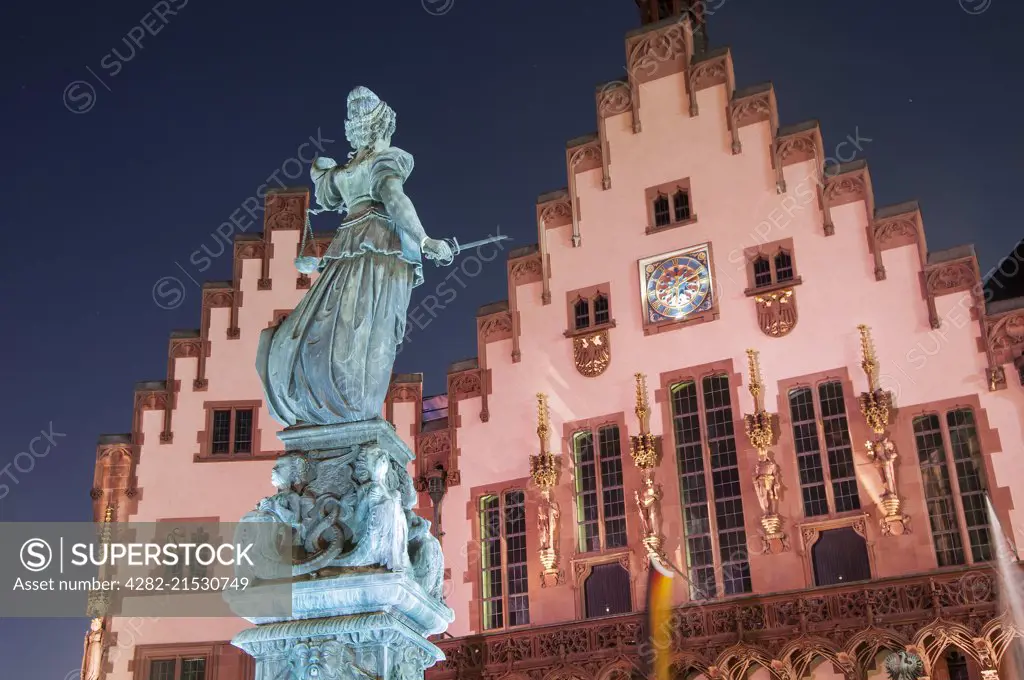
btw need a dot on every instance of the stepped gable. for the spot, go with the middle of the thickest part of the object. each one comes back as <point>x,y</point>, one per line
<point>653,51</point>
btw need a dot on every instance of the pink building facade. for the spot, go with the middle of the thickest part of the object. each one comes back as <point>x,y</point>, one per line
<point>695,226</point>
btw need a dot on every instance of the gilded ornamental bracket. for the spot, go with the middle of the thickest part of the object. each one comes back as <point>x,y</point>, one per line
<point>758,426</point>
<point>876,406</point>
<point>544,471</point>
<point>643,448</point>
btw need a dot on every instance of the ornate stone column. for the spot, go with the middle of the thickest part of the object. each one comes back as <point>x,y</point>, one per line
<point>366,573</point>
<point>875,406</point>
<point>544,471</point>
<point>758,426</point>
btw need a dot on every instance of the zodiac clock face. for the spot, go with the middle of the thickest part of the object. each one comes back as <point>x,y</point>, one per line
<point>676,285</point>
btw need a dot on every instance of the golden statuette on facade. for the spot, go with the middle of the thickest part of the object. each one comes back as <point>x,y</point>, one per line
<point>876,406</point>
<point>544,472</point>
<point>644,451</point>
<point>767,485</point>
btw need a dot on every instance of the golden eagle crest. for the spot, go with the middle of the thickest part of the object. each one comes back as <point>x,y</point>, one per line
<point>592,353</point>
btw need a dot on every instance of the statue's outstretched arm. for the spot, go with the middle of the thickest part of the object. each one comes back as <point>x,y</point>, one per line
<point>401,209</point>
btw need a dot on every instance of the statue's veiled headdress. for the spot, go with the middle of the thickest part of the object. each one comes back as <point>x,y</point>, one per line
<point>369,119</point>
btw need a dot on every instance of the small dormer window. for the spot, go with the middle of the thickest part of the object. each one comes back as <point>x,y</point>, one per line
<point>681,205</point>
<point>762,272</point>
<point>581,311</point>
<point>771,265</point>
<point>662,216</point>
<point>783,267</point>
<point>589,310</point>
<point>669,205</point>
<point>601,314</point>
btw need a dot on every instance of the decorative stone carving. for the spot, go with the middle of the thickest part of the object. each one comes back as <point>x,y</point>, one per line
<point>525,268</point>
<point>1005,333</point>
<point>767,486</point>
<point>776,312</point>
<point>377,588</point>
<point>613,98</point>
<point>592,353</point>
<point>496,327</point>
<point>903,665</point>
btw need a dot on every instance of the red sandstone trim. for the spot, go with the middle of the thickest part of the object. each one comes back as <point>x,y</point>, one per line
<point>550,215</point>
<point>946,278</point>
<point>847,187</point>
<point>757,107</point>
<point>716,70</point>
<point>797,147</point>
<point>896,231</point>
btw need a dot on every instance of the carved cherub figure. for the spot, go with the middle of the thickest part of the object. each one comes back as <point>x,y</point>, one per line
<point>290,475</point>
<point>425,556</point>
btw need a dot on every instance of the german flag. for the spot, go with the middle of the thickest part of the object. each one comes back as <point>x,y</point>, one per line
<point>659,613</point>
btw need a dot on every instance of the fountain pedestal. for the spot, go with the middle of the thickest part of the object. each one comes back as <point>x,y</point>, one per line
<point>366,581</point>
<point>353,626</point>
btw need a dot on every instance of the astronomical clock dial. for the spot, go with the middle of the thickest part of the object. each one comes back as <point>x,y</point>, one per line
<point>676,285</point>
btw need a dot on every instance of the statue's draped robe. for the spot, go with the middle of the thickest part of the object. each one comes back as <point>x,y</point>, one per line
<point>330,360</point>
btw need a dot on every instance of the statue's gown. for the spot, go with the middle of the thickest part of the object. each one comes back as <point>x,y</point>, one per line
<point>330,360</point>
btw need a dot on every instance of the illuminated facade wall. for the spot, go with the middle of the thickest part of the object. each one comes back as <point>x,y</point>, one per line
<point>695,226</point>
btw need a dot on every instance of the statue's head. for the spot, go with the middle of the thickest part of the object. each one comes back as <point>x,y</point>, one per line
<point>369,120</point>
<point>290,471</point>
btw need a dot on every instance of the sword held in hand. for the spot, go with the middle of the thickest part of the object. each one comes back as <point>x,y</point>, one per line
<point>456,248</point>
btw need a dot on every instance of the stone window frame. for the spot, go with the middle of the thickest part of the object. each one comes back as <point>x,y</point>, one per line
<point>205,437</point>
<point>669,190</point>
<point>503,509</point>
<point>570,430</point>
<point>941,411</point>
<point>474,560</point>
<point>858,431</point>
<point>145,655</point>
<point>583,565</point>
<point>588,294</point>
<point>810,532</point>
<point>663,395</point>
<point>770,252</point>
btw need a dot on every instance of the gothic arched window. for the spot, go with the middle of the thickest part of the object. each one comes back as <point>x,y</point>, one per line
<point>581,312</point>
<point>783,267</point>
<point>949,471</point>
<point>762,272</point>
<point>661,211</point>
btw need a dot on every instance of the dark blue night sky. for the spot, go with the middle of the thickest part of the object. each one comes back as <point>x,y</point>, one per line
<point>98,206</point>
